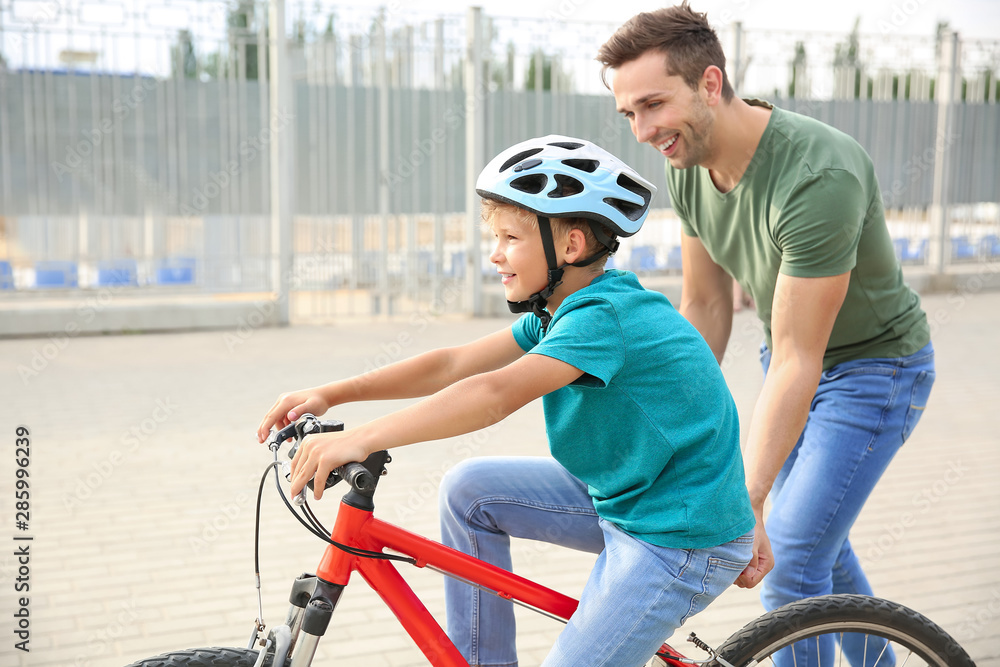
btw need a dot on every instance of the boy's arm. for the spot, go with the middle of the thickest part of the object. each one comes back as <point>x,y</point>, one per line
<point>706,295</point>
<point>465,406</point>
<point>421,375</point>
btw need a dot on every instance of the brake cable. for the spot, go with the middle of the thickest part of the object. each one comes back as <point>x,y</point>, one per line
<point>312,524</point>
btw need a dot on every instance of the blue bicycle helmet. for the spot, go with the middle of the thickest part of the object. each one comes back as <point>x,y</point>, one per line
<point>563,177</point>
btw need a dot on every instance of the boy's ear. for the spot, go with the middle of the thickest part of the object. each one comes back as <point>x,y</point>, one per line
<point>576,246</point>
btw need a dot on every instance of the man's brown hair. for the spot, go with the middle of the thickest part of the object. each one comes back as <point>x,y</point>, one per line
<point>684,37</point>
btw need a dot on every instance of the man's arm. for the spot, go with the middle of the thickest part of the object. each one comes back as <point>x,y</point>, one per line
<point>803,313</point>
<point>706,295</point>
<point>421,375</point>
<point>465,406</point>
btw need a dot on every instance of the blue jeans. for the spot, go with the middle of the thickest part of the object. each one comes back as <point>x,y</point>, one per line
<point>863,411</point>
<point>636,595</point>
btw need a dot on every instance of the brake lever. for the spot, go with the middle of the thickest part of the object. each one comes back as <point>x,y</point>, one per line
<point>300,499</point>
<point>278,437</point>
<point>308,424</point>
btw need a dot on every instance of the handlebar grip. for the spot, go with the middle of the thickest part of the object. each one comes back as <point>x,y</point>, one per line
<point>357,476</point>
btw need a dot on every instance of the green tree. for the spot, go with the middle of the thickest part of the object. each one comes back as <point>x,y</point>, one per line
<point>184,64</point>
<point>847,61</point>
<point>243,28</point>
<point>797,84</point>
<point>529,80</point>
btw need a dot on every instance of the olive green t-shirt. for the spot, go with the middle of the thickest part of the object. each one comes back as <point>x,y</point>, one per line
<point>808,205</point>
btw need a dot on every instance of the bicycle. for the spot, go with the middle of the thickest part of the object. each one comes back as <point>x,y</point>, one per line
<point>358,542</point>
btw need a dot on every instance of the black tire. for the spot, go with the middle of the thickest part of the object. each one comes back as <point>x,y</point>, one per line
<point>910,633</point>
<point>205,657</point>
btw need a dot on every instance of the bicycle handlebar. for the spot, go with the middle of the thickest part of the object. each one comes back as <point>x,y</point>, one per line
<point>361,477</point>
<point>357,476</point>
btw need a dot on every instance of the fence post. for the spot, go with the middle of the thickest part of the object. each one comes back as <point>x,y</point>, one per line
<point>948,87</point>
<point>382,81</point>
<point>282,137</point>
<point>475,151</point>
<point>737,70</point>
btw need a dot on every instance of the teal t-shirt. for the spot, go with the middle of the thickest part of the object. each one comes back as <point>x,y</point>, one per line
<point>651,426</point>
<point>808,205</point>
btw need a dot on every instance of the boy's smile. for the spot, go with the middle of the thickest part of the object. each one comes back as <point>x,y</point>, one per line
<point>518,256</point>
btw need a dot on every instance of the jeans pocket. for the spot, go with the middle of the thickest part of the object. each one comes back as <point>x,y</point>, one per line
<point>720,573</point>
<point>855,368</point>
<point>919,394</point>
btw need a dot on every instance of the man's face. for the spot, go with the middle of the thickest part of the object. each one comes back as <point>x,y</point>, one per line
<point>663,111</point>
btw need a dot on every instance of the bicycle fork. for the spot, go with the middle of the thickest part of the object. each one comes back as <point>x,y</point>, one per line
<point>312,602</point>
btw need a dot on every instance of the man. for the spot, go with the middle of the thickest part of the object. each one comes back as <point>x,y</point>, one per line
<point>791,209</point>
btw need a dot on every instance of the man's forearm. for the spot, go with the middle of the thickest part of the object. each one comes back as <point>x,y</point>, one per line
<point>778,420</point>
<point>713,321</point>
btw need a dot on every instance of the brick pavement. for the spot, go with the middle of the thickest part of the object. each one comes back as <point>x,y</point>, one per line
<point>144,465</point>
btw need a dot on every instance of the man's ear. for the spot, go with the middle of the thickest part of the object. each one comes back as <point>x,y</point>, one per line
<point>711,83</point>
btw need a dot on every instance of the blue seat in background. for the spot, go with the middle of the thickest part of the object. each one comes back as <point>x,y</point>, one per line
<point>905,254</point>
<point>457,268</point>
<point>56,274</point>
<point>989,246</point>
<point>643,259</point>
<point>961,248</point>
<point>901,246</point>
<point>6,275</point>
<point>674,259</point>
<point>115,272</point>
<point>175,271</point>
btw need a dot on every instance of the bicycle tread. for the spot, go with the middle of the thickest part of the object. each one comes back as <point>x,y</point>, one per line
<point>201,657</point>
<point>813,611</point>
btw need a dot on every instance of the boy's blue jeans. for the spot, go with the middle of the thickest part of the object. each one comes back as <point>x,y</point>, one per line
<point>862,413</point>
<point>635,597</point>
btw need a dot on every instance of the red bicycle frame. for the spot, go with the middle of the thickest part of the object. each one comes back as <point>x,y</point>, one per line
<point>359,528</point>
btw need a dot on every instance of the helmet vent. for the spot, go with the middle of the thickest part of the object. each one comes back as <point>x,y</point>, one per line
<point>589,166</point>
<point>566,186</point>
<point>632,186</point>
<point>568,145</point>
<point>631,211</point>
<point>531,184</point>
<point>524,155</point>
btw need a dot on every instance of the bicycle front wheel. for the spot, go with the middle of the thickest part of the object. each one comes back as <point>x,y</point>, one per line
<point>205,657</point>
<point>858,630</point>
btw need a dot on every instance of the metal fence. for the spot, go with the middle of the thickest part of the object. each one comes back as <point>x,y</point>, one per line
<point>140,148</point>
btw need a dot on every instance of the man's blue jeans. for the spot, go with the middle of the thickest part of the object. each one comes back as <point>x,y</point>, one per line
<point>862,413</point>
<point>636,595</point>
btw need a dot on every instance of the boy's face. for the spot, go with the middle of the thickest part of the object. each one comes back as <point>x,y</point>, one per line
<point>663,111</point>
<point>518,256</point>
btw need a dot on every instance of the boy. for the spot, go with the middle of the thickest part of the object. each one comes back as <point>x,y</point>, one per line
<point>646,467</point>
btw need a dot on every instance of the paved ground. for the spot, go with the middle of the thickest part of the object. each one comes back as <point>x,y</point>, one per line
<point>143,467</point>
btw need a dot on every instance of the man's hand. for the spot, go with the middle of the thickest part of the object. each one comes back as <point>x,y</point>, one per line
<point>762,561</point>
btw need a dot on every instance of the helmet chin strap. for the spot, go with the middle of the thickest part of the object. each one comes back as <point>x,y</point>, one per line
<point>537,302</point>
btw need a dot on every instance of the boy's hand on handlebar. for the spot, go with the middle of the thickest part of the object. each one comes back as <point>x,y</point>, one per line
<point>319,455</point>
<point>290,407</point>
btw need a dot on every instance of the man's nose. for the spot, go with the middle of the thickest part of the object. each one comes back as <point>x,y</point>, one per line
<point>643,130</point>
